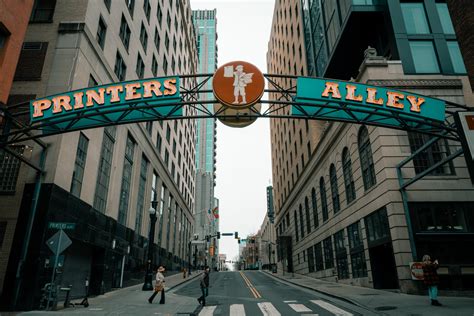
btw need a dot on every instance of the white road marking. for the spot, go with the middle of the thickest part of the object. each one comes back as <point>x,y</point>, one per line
<point>331,308</point>
<point>237,310</point>
<point>300,308</point>
<point>290,301</point>
<point>207,311</point>
<point>268,309</point>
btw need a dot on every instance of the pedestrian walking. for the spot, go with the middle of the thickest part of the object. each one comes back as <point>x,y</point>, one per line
<point>431,279</point>
<point>159,285</point>
<point>184,273</point>
<point>204,287</point>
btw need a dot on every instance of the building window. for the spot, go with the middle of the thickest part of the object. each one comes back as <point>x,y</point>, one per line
<point>105,167</point>
<point>140,67</point>
<point>341,255</point>
<point>107,4</point>
<point>324,202</point>
<point>4,34</point>
<point>296,227</point>
<point>43,11</point>
<point>328,254</point>
<point>126,181</point>
<point>318,257</point>
<point>9,169</point>
<point>308,217</point>
<point>79,165</point>
<point>131,6</point>
<point>315,207</point>
<point>147,9</point>
<point>377,227</point>
<point>101,32</point>
<point>158,142</point>
<point>414,16</point>
<point>31,61</point>
<point>301,221</point>
<point>92,82</point>
<point>143,37</point>
<point>141,195</point>
<point>366,158</point>
<point>445,18</point>
<point>334,189</point>
<point>310,259</point>
<point>124,32</point>
<point>348,179</point>
<point>431,155</point>
<point>159,15</point>
<point>168,134</point>
<point>456,57</point>
<point>165,65</point>
<point>120,67</point>
<point>442,217</point>
<point>424,57</point>
<point>358,264</point>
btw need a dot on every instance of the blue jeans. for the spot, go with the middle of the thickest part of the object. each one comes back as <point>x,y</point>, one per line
<point>433,292</point>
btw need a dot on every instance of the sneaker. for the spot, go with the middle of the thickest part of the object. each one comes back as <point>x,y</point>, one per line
<point>436,303</point>
<point>199,300</point>
<point>149,301</point>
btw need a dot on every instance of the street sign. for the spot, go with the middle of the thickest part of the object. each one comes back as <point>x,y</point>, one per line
<point>416,271</point>
<point>59,242</point>
<point>227,234</point>
<point>63,226</point>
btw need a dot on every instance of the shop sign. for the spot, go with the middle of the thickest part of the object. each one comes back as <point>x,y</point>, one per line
<point>350,101</point>
<point>238,84</point>
<point>113,101</point>
<point>416,271</point>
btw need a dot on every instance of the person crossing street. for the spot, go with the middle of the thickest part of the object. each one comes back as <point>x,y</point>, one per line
<point>204,284</point>
<point>159,285</point>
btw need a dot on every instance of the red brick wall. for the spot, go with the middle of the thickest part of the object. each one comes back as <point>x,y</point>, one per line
<point>14,16</point>
<point>462,14</point>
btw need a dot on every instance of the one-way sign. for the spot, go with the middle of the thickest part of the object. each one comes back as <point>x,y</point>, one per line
<point>59,242</point>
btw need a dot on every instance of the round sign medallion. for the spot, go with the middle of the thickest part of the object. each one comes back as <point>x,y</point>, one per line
<point>238,84</point>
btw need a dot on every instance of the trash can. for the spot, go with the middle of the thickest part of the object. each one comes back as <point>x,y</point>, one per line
<point>274,268</point>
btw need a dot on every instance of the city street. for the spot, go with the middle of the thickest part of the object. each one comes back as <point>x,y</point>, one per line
<point>230,293</point>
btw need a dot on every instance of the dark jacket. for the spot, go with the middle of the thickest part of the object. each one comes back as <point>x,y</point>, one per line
<point>430,274</point>
<point>205,280</point>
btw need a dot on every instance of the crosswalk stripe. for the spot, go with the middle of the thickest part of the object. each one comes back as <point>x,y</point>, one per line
<point>290,301</point>
<point>331,308</point>
<point>268,309</point>
<point>207,311</point>
<point>237,310</point>
<point>300,308</point>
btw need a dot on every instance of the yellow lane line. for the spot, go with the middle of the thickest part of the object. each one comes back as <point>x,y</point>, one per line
<point>252,288</point>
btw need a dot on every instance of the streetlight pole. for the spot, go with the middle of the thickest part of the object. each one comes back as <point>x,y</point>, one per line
<point>148,285</point>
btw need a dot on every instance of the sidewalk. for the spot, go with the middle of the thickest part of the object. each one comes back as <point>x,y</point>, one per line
<point>133,301</point>
<point>380,301</point>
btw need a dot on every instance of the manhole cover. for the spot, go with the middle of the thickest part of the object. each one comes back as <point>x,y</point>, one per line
<point>385,308</point>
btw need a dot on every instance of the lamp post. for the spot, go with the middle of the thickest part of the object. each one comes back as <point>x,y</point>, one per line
<point>148,285</point>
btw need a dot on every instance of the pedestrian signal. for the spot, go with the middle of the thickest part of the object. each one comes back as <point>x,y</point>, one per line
<point>236,235</point>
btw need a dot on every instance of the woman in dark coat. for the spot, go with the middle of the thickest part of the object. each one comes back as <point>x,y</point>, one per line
<point>431,279</point>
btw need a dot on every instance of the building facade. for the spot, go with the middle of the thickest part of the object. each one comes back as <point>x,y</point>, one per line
<point>267,243</point>
<point>101,180</point>
<point>14,16</point>
<point>345,218</point>
<point>207,224</point>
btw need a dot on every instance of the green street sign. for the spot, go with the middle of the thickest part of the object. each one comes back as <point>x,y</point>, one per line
<point>63,226</point>
<point>355,102</point>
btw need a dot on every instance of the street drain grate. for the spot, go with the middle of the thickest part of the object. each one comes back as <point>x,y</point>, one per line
<point>385,308</point>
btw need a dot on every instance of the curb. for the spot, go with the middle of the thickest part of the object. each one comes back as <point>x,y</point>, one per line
<point>320,291</point>
<point>194,275</point>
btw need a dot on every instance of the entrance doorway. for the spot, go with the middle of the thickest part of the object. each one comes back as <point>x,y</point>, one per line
<point>384,271</point>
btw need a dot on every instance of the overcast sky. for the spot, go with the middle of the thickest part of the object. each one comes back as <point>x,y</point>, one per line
<point>243,154</point>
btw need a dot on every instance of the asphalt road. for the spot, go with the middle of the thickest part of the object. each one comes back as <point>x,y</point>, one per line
<point>256,293</point>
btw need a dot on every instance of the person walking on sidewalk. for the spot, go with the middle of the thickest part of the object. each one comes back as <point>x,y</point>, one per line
<point>204,287</point>
<point>431,279</point>
<point>159,285</point>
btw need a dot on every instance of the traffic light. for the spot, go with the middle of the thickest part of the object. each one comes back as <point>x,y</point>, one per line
<point>236,235</point>
<point>208,238</point>
<point>238,240</point>
<point>218,235</point>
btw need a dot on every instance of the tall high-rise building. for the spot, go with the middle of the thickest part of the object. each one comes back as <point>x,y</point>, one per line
<point>100,180</point>
<point>205,23</point>
<point>345,216</point>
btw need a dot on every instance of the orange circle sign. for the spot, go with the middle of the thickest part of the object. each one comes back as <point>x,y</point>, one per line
<point>238,84</point>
